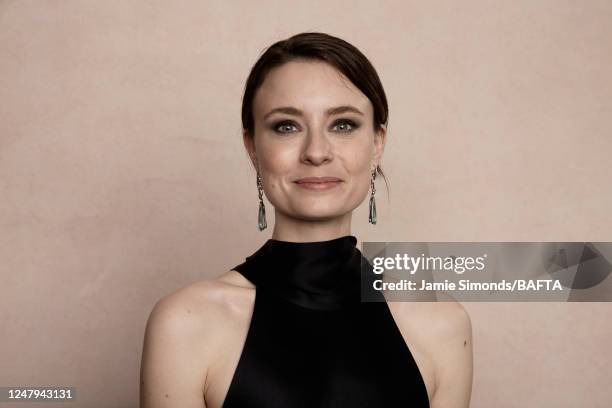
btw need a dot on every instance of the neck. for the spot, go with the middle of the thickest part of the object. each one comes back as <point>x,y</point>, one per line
<point>292,229</point>
<point>318,274</point>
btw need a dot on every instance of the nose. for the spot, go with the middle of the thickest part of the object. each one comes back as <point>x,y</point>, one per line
<point>317,148</point>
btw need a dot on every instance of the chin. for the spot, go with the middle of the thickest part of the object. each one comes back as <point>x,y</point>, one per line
<point>318,218</point>
<point>318,214</point>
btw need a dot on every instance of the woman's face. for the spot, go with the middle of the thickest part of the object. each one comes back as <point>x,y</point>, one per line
<point>297,135</point>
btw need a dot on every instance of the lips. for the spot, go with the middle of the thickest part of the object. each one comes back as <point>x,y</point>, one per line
<point>318,180</point>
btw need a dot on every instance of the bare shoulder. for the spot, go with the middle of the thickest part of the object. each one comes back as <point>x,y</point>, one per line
<point>203,308</point>
<point>184,331</point>
<point>199,304</point>
<point>442,332</point>
<point>448,320</point>
<point>439,323</point>
<point>454,364</point>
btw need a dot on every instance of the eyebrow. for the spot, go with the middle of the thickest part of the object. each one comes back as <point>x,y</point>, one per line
<point>290,110</point>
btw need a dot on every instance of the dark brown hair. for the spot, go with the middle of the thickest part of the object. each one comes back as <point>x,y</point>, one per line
<point>343,56</point>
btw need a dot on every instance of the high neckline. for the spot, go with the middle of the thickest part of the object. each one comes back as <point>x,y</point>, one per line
<point>322,275</point>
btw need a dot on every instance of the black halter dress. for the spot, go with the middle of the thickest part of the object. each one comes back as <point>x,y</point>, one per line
<point>312,342</point>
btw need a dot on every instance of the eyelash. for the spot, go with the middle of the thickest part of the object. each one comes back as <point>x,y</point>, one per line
<point>349,122</point>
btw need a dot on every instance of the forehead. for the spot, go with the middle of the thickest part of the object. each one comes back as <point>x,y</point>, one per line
<point>309,86</point>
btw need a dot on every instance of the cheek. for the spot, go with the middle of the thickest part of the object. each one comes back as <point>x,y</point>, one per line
<point>275,164</point>
<point>359,161</point>
<point>359,166</point>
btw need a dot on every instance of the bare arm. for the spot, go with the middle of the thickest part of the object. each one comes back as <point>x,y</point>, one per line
<point>172,372</point>
<point>454,360</point>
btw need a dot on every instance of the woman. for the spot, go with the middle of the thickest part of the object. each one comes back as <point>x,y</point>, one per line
<point>286,328</point>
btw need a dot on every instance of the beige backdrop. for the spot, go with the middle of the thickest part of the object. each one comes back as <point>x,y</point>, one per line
<point>123,175</point>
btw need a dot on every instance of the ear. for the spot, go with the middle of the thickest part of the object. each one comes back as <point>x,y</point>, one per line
<point>249,145</point>
<point>380,139</point>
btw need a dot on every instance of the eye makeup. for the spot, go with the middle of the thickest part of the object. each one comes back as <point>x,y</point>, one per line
<point>353,125</point>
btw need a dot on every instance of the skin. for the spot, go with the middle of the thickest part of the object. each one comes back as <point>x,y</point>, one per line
<point>194,336</point>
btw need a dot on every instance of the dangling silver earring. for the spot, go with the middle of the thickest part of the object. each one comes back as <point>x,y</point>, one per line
<point>261,224</point>
<point>372,217</point>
